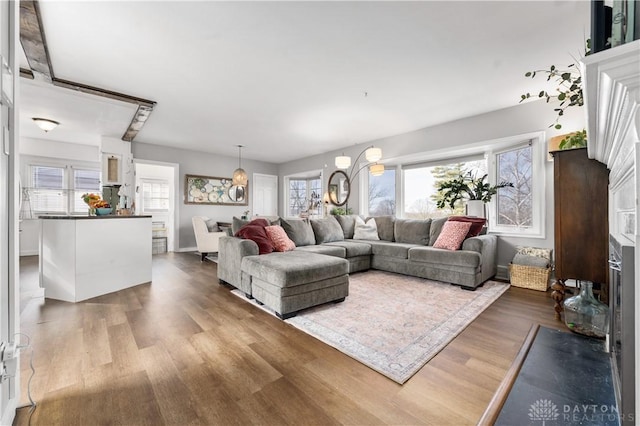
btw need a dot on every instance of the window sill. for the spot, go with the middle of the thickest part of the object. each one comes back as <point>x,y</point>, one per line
<point>504,234</point>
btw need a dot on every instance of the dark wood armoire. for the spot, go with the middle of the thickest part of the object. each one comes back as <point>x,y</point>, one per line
<point>581,221</point>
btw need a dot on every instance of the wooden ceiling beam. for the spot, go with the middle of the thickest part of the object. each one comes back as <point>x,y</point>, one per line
<point>145,106</point>
<point>92,90</point>
<point>33,40</point>
<point>34,44</point>
<point>26,73</point>
<point>138,120</point>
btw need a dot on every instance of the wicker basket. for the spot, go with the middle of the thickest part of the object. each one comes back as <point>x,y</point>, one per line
<point>529,277</point>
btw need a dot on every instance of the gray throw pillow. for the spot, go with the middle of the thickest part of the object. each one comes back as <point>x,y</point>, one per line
<point>237,224</point>
<point>385,227</point>
<point>412,231</point>
<point>299,231</point>
<point>348,224</point>
<point>212,225</point>
<point>436,227</point>
<point>327,230</point>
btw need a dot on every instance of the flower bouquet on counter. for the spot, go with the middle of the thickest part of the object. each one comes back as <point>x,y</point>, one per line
<point>96,204</point>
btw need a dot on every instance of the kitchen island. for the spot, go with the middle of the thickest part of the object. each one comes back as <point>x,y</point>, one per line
<point>82,257</point>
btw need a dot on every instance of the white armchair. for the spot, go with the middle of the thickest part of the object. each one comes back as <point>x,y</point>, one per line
<point>206,241</point>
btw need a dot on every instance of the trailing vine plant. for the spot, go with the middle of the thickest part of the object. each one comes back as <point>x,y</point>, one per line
<point>568,93</point>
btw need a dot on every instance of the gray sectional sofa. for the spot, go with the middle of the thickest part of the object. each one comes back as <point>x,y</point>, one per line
<point>317,270</point>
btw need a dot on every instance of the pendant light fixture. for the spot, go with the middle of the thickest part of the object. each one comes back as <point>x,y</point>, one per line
<point>239,175</point>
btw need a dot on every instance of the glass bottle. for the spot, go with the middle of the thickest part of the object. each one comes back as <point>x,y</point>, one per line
<point>586,315</point>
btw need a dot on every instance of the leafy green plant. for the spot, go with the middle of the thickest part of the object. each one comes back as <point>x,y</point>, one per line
<point>340,211</point>
<point>569,90</point>
<point>574,140</point>
<point>467,187</point>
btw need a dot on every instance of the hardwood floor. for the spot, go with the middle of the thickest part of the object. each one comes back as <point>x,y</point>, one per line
<point>183,350</point>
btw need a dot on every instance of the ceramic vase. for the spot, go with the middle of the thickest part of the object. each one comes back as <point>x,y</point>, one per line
<point>475,208</point>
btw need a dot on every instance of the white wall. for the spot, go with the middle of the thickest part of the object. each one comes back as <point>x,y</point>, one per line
<point>199,163</point>
<point>61,150</point>
<point>517,120</point>
<point>122,150</point>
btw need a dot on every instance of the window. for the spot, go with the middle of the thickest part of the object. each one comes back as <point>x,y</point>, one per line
<point>421,182</point>
<point>305,196</point>
<point>48,189</point>
<point>515,208</point>
<point>84,181</point>
<point>58,189</point>
<point>155,196</point>
<point>382,193</point>
<point>518,211</point>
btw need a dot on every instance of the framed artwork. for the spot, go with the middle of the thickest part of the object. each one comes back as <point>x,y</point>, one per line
<point>214,190</point>
<point>6,83</point>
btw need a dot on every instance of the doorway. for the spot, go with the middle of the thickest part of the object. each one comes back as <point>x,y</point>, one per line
<point>156,189</point>
<point>265,195</point>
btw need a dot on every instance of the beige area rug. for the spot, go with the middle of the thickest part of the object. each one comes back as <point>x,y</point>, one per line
<point>393,323</point>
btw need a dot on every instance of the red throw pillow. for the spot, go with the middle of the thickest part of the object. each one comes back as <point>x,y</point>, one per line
<point>476,224</point>
<point>259,221</point>
<point>256,232</point>
<point>279,238</point>
<point>452,235</point>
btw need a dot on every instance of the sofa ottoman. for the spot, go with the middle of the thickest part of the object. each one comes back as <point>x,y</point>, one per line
<point>292,281</point>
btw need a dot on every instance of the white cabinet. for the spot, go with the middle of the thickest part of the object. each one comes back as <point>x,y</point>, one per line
<point>111,169</point>
<point>85,257</point>
<point>29,234</point>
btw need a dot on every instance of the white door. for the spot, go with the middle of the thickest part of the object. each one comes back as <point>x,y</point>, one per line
<point>9,326</point>
<point>265,195</point>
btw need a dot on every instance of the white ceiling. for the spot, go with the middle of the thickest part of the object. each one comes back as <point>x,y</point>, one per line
<point>288,79</point>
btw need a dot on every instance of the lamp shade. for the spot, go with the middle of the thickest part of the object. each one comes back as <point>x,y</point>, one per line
<point>376,169</point>
<point>373,154</point>
<point>240,177</point>
<point>343,161</point>
<point>45,124</point>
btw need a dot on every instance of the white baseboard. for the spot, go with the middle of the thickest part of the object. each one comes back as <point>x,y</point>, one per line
<point>187,249</point>
<point>29,253</point>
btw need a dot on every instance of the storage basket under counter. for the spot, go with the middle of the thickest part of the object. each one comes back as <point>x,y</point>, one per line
<point>159,237</point>
<point>531,268</point>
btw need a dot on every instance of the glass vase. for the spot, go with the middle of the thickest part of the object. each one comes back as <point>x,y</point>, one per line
<point>586,315</point>
<point>92,211</point>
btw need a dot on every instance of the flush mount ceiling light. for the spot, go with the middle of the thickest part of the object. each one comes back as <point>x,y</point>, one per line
<point>239,175</point>
<point>45,124</point>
